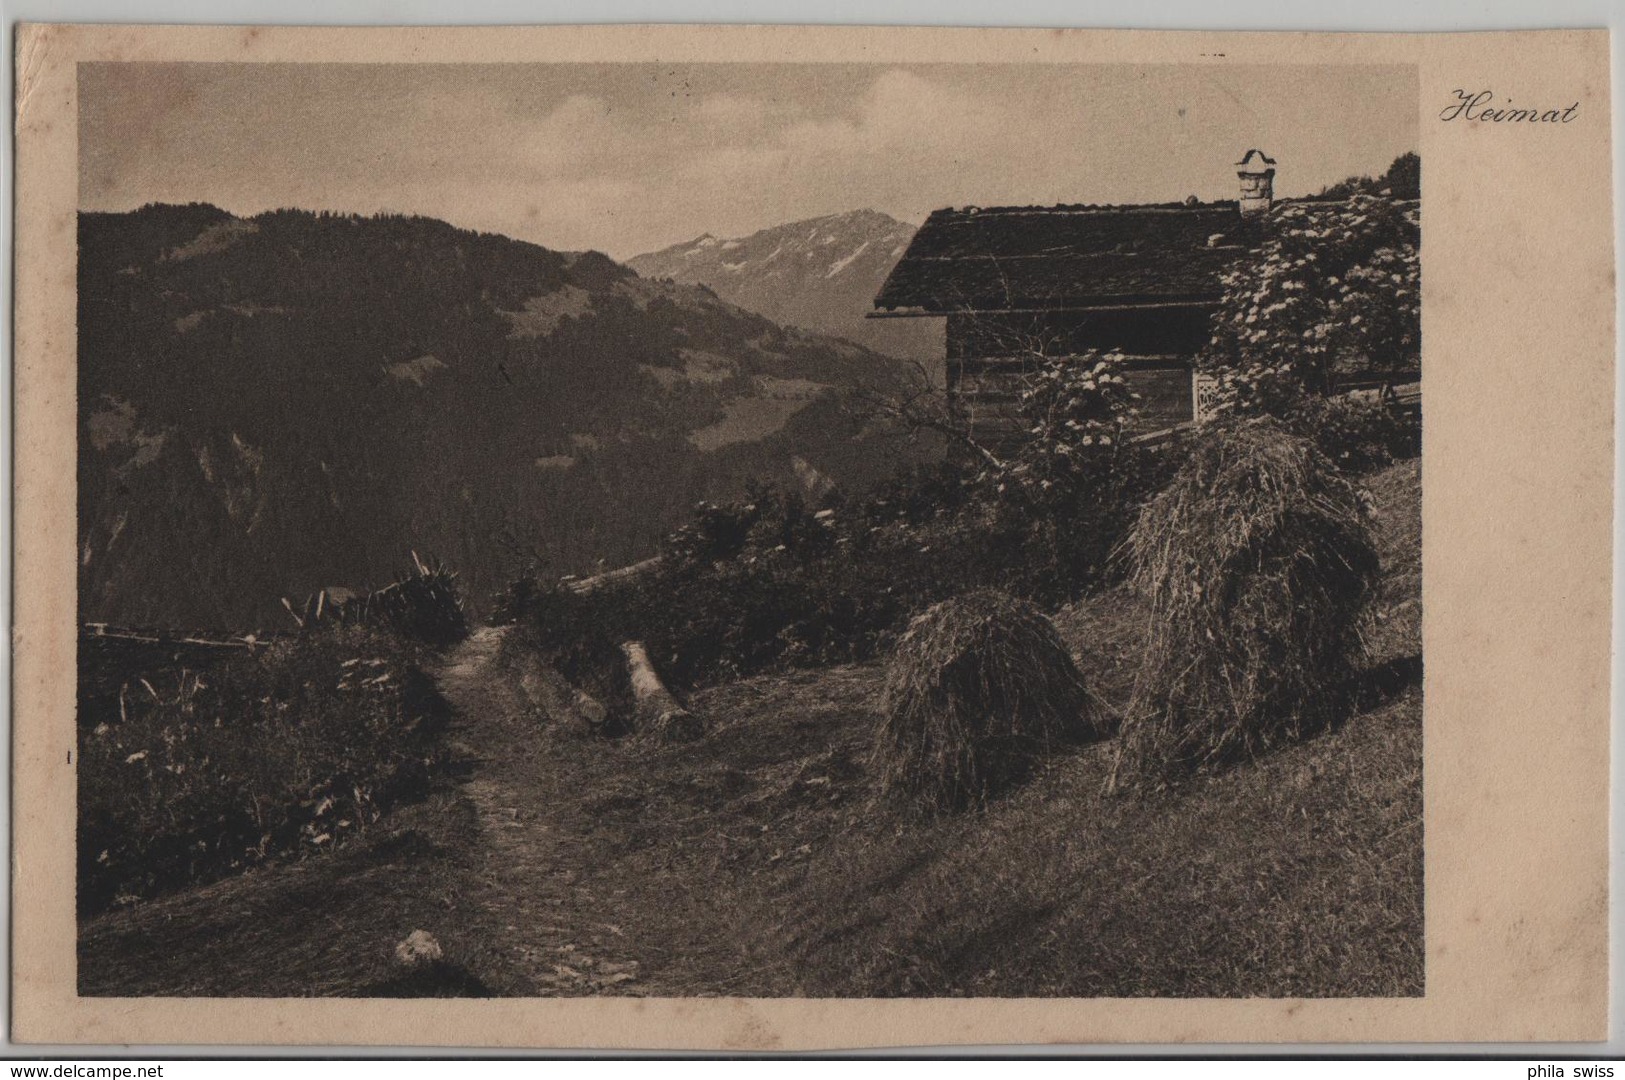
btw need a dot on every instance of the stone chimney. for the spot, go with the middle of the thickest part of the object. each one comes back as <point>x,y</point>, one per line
<point>1257,174</point>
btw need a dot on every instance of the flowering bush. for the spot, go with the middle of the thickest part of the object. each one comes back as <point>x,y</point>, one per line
<point>1081,411</point>
<point>1333,291</point>
<point>1069,490</point>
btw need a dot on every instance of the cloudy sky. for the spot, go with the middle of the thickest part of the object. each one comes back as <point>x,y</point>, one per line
<point>630,158</point>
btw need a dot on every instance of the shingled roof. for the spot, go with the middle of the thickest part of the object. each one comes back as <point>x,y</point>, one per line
<point>1042,258</point>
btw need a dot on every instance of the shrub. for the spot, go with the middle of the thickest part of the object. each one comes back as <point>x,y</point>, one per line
<point>192,775</point>
<point>771,608</point>
<point>1358,436</point>
<point>1256,561</point>
<point>1357,432</point>
<point>1064,494</point>
<point>420,605</point>
<point>423,605</point>
<point>1403,180</point>
<point>762,584</point>
<point>580,637</point>
<point>703,625</point>
<point>772,581</point>
<point>977,687</point>
<point>518,598</point>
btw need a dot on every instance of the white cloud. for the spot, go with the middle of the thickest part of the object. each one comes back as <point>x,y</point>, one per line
<point>625,160</point>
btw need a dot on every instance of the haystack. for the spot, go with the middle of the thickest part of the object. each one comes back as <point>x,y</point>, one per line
<point>1256,562</point>
<point>976,689</point>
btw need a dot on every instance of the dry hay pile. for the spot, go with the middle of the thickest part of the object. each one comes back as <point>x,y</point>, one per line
<point>978,686</point>
<point>1256,561</point>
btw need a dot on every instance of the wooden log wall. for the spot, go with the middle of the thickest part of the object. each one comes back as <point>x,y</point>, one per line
<point>985,393</point>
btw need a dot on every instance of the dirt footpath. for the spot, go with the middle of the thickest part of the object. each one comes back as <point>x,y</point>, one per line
<point>555,923</point>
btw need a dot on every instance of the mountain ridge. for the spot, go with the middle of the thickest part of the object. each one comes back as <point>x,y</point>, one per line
<point>819,273</point>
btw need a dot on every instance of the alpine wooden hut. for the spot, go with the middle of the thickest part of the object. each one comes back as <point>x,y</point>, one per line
<point>1019,282</point>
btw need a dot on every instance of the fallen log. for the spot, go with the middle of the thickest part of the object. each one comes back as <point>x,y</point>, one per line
<point>654,708</point>
<point>550,694</point>
<point>589,585</point>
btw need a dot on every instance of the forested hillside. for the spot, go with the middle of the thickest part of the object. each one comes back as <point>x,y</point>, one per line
<point>293,401</point>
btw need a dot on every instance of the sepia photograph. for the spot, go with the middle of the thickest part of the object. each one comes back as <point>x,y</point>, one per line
<point>749,529</point>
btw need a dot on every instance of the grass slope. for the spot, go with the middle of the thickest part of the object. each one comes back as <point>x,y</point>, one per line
<point>321,927</point>
<point>756,861</point>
